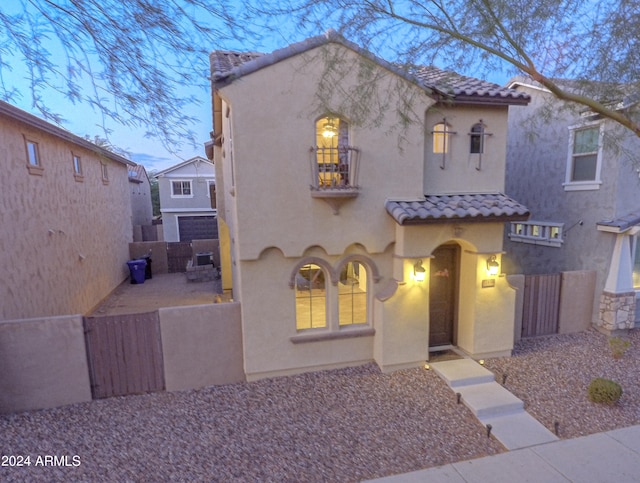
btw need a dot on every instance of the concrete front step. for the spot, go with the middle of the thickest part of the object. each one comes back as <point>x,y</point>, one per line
<point>519,430</point>
<point>462,372</point>
<point>489,399</point>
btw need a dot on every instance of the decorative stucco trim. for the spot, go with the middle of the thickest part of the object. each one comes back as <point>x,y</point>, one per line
<point>346,333</point>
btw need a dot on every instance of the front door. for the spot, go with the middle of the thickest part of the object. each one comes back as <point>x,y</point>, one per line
<point>442,295</point>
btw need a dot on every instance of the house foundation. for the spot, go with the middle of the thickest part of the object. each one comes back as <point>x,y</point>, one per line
<point>617,311</point>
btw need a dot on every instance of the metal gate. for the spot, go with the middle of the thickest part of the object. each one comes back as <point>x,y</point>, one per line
<point>541,306</point>
<point>178,255</point>
<point>125,354</point>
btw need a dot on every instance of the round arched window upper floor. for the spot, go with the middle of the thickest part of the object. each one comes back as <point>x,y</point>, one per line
<point>441,137</point>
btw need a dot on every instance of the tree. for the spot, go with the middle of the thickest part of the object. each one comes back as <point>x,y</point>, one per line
<point>584,41</point>
<point>129,60</point>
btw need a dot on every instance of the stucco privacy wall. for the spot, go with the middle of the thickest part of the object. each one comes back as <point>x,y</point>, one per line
<point>43,363</point>
<point>63,242</point>
<point>201,345</point>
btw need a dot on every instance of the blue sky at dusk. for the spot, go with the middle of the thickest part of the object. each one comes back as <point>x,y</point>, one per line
<point>81,119</point>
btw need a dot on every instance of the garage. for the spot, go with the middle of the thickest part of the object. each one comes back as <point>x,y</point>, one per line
<point>197,228</point>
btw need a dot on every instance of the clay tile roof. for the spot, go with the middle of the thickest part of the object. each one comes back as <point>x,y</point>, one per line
<point>457,208</point>
<point>228,65</point>
<point>466,88</point>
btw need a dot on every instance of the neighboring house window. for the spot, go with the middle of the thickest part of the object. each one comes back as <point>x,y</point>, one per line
<point>34,164</point>
<point>311,297</point>
<point>636,263</point>
<point>352,294</point>
<point>537,233</point>
<point>77,167</point>
<point>335,161</point>
<point>477,139</point>
<point>105,174</point>
<point>181,189</point>
<point>585,156</point>
<point>212,193</point>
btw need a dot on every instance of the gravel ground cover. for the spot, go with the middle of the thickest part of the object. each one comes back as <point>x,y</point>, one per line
<point>551,375</point>
<point>340,425</point>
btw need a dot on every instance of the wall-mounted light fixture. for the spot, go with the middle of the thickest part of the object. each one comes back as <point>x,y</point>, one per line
<point>418,271</point>
<point>493,267</point>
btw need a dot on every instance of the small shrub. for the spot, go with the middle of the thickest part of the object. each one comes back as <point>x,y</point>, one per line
<point>618,346</point>
<point>604,391</point>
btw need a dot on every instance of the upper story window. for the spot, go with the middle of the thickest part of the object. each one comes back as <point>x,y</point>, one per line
<point>441,137</point>
<point>476,137</point>
<point>537,233</point>
<point>584,160</point>
<point>181,189</point>
<point>335,162</point>
<point>34,164</point>
<point>77,167</point>
<point>105,174</point>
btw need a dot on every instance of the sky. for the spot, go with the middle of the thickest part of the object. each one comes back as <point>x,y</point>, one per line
<point>82,120</point>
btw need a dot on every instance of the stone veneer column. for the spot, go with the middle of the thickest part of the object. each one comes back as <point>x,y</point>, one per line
<point>617,311</point>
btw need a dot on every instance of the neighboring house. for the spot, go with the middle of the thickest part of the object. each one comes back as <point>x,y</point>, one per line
<point>350,239</point>
<point>578,174</point>
<point>141,205</point>
<point>66,219</point>
<point>186,201</point>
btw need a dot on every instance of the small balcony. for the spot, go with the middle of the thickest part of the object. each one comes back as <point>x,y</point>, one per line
<point>334,174</point>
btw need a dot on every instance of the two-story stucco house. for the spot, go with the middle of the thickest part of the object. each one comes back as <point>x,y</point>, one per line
<point>578,174</point>
<point>350,238</point>
<point>186,193</point>
<point>65,217</point>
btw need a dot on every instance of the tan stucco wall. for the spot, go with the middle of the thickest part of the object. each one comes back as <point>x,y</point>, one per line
<point>43,364</point>
<point>264,168</point>
<point>461,173</point>
<point>63,243</point>
<point>201,345</point>
<point>271,158</point>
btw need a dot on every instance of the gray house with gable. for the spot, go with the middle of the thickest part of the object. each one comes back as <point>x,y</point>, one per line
<point>576,173</point>
<point>187,201</point>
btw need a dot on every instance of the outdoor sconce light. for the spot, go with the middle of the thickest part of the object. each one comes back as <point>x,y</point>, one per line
<point>493,267</point>
<point>419,271</point>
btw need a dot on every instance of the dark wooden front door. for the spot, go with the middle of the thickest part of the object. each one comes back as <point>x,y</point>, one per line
<point>442,295</point>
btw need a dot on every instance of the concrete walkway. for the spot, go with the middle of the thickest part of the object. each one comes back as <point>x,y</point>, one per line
<point>500,411</point>
<point>536,454</point>
<point>598,458</point>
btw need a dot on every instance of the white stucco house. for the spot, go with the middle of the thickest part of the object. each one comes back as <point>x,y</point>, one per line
<point>186,200</point>
<point>360,231</point>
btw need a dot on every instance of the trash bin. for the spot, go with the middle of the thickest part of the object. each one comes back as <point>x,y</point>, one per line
<point>147,268</point>
<point>204,258</point>
<point>137,270</point>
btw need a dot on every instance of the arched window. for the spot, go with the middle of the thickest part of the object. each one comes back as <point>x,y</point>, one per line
<point>477,138</point>
<point>333,153</point>
<point>352,294</point>
<point>311,297</point>
<point>441,137</point>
